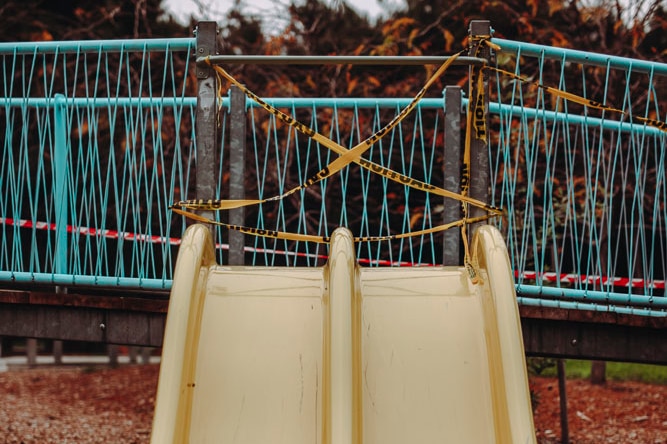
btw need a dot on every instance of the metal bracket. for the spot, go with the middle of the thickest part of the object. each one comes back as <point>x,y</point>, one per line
<point>206,33</point>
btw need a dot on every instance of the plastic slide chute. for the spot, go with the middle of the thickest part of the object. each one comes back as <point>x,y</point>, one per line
<point>342,353</point>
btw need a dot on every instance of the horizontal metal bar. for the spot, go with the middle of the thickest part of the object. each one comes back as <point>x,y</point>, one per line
<point>279,102</point>
<point>549,303</point>
<point>96,281</point>
<point>592,296</point>
<point>573,119</point>
<point>97,102</point>
<point>338,60</point>
<point>583,57</point>
<point>300,102</point>
<point>527,295</point>
<point>97,46</point>
<point>435,103</point>
<point>341,102</point>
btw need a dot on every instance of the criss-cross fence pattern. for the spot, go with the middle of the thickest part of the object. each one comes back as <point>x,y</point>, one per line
<point>109,126</point>
<point>96,140</point>
<point>367,203</point>
<point>585,189</point>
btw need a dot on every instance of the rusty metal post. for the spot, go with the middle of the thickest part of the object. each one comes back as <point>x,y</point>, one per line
<point>479,150</point>
<point>562,392</point>
<point>206,123</point>
<point>237,156</point>
<point>452,176</point>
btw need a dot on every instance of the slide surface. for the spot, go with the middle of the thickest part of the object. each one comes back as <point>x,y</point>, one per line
<point>342,354</point>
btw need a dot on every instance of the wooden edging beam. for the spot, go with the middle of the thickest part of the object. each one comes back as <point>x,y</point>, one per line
<point>140,319</point>
<point>579,334</point>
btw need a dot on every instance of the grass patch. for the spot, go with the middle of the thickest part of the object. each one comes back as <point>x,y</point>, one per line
<point>616,371</point>
<point>654,374</point>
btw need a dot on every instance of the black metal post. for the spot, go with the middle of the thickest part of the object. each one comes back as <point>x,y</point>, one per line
<point>562,392</point>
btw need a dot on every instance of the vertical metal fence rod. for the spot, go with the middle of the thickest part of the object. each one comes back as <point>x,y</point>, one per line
<point>206,124</point>
<point>60,173</point>
<point>452,179</point>
<point>237,138</point>
<point>562,392</point>
<point>479,157</point>
<point>61,205</point>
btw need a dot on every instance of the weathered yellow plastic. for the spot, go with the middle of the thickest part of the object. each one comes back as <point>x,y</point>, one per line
<point>342,354</point>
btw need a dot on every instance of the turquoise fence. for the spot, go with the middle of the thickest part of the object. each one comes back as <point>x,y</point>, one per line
<point>98,140</point>
<point>585,188</point>
<point>368,204</point>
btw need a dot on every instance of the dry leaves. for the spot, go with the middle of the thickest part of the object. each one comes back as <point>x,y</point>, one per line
<point>96,405</point>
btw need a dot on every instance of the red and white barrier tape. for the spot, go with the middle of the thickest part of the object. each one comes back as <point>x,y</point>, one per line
<point>599,281</point>
<point>88,231</point>
<point>527,275</point>
<point>114,234</point>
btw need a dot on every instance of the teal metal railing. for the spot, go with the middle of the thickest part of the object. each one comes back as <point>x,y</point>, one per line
<point>585,189</point>
<point>365,202</point>
<point>98,140</point>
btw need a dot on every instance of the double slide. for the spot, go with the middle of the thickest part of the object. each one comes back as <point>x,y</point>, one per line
<point>342,354</point>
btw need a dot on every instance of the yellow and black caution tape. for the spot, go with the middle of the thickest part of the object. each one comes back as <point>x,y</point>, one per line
<point>559,93</point>
<point>475,119</point>
<point>346,156</point>
<point>274,234</point>
<point>475,122</point>
<point>353,155</point>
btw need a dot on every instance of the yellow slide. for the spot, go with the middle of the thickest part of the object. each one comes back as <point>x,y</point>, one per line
<point>342,354</point>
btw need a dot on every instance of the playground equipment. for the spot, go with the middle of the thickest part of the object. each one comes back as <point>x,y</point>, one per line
<point>341,353</point>
<point>567,176</point>
<point>84,148</point>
